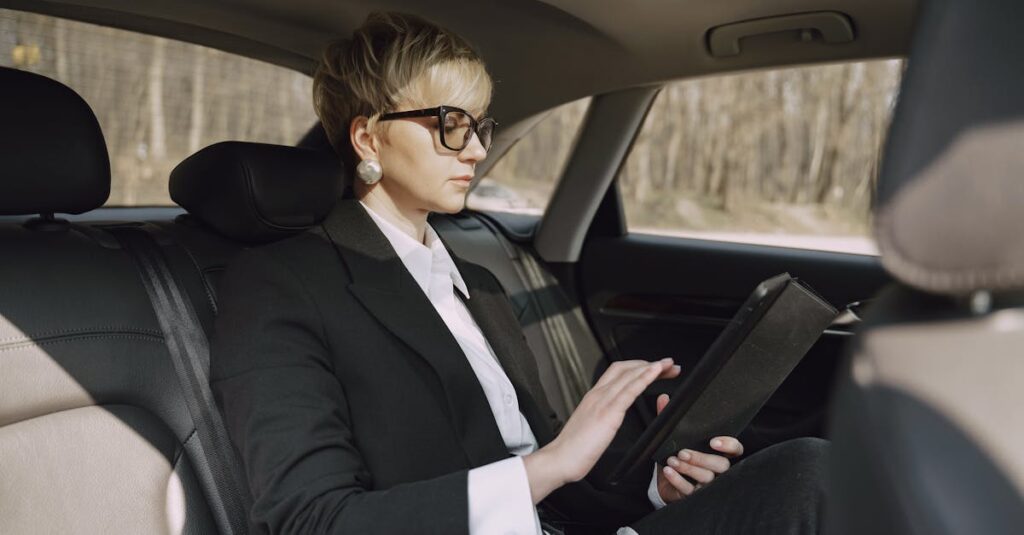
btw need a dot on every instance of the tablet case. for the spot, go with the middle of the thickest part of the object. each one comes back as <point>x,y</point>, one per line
<point>753,355</point>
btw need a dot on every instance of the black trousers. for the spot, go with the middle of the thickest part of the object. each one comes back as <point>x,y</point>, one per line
<point>778,490</point>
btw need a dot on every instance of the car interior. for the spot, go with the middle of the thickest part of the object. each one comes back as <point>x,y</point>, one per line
<point>107,423</point>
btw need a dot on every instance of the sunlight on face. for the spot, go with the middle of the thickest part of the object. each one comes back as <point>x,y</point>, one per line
<point>419,172</point>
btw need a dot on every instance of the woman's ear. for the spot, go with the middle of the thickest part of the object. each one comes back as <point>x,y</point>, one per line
<point>364,143</point>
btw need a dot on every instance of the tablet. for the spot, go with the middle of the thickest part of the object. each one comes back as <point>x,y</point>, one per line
<point>756,351</point>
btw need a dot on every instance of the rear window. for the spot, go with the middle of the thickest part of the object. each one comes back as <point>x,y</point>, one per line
<point>158,100</point>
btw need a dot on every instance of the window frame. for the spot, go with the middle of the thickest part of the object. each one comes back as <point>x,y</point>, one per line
<point>611,219</point>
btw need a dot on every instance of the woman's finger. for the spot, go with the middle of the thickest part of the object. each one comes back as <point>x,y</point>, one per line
<point>684,487</point>
<point>617,369</point>
<point>729,446</point>
<point>633,372</point>
<point>715,463</point>
<point>661,403</point>
<point>627,388</point>
<point>696,473</point>
<point>671,372</point>
<point>623,367</point>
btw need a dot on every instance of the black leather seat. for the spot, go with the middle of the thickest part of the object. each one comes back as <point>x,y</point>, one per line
<point>240,194</point>
<point>927,426</point>
<point>95,436</point>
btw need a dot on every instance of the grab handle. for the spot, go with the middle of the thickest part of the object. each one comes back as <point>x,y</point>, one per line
<point>833,27</point>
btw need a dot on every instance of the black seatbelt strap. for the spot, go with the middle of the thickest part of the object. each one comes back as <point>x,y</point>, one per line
<point>190,352</point>
<point>568,364</point>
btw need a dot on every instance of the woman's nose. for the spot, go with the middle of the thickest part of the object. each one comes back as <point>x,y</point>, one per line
<point>474,150</point>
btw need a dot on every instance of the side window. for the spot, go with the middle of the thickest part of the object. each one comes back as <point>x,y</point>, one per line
<point>523,180</point>
<point>158,100</point>
<point>785,157</point>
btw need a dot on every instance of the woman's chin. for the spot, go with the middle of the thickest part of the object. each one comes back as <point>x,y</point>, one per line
<point>451,204</point>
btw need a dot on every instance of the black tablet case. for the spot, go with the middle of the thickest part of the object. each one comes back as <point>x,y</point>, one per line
<point>760,346</point>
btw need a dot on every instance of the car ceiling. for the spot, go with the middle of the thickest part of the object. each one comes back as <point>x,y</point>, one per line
<point>540,53</point>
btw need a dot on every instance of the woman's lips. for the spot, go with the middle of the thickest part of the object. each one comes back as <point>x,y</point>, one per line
<point>464,178</point>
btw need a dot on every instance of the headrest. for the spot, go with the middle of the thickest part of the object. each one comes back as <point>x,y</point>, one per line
<point>52,151</point>
<point>951,189</point>
<point>257,193</point>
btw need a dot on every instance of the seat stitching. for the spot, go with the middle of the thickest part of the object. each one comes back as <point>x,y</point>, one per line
<point>98,330</point>
<point>104,406</point>
<point>937,278</point>
<point>112,336</point>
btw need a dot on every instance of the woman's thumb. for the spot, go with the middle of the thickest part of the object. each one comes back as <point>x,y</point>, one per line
<point>661,402</point>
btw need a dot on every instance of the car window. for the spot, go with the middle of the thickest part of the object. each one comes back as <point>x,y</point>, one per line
<point>783,157</point>
<point>525,177</point>
<point>158,100</point>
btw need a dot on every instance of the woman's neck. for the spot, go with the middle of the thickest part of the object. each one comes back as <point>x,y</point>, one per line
<point>413,222</point>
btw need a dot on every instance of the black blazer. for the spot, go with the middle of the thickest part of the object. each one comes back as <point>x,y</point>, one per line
<point>352,406</point>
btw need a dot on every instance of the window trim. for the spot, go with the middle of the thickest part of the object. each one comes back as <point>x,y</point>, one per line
<point>605,138</point>
<point>612,214</point>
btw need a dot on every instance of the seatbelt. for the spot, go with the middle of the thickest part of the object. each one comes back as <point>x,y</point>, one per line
<point>190,352</point>
<point>568,364</point>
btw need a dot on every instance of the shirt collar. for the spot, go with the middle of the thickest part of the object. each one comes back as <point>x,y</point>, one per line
<point>420,259</point>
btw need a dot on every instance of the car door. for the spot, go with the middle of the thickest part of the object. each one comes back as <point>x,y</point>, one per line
<point>661,276</point>
<point>650,296</point>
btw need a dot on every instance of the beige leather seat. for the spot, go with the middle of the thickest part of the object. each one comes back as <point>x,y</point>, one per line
<point>95,435</point>
<point>928,424</point>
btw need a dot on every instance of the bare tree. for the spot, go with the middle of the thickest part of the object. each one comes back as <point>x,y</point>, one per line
<point>197,111</point>
<point>157,133</point>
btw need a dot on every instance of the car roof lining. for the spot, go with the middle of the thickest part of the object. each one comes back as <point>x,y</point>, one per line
<point>647,42</point>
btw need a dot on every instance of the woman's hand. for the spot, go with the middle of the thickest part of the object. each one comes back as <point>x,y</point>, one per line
<point>591,427</point>
<point>700,467</point>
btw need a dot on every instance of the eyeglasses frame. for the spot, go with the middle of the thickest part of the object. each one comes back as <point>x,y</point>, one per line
<point>439,112</point>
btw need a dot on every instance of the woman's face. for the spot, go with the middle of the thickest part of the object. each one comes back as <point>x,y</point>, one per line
<point>419,172</point>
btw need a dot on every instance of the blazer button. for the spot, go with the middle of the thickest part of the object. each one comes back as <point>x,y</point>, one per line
<point>508,399</point>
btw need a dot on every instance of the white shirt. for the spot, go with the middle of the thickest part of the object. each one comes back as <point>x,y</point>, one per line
<point>499,493</point>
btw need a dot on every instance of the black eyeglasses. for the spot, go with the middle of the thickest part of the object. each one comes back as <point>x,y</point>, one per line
<point>456,125</point>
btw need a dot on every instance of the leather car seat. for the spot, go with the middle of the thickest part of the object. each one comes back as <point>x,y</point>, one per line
<point>95,435</point>
<point>927,424</point>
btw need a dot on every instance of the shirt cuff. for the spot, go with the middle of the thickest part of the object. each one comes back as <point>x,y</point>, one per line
<point>652,491</point>
<point>500,500</point>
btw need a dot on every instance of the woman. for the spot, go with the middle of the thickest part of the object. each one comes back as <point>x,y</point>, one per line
<point>374,383</point>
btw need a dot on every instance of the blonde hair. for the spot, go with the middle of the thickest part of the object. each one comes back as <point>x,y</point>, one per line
<point>393,60</point>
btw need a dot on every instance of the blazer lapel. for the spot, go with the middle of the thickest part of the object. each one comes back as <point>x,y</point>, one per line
<point>493,313</point>
<point>388,291</point>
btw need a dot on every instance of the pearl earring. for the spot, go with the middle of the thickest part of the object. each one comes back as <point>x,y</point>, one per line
<point>369,171</point>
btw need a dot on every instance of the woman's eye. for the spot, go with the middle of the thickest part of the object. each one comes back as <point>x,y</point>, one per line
<point>455,127</point>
